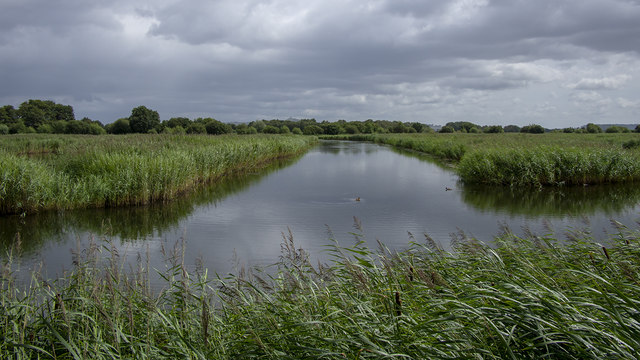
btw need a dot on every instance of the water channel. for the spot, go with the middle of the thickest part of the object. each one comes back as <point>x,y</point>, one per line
<point>397,197</point>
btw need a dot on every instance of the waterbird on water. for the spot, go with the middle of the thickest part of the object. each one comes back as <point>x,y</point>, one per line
<point>447,188</point>
<point>358,198</point>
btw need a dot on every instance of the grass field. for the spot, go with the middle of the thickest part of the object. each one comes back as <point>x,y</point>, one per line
<point>521,298</point>
<point>528,159</point>
<point>40,172</point>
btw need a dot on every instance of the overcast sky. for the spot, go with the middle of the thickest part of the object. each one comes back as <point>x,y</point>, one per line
<point>556,63</point>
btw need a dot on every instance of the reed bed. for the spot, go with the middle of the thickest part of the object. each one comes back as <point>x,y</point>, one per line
<point>523,297</point>
<point>527,159</point>
<point>549,166</point>
<point>64,172</point>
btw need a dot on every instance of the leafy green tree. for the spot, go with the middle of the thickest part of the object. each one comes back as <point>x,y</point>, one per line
<point>196,128</point>
<point>95,129</point>
<point>258,125</point>
<point>351,129</point>
<point>332,129</point>
<point>243,129</point>
<point>215,127</point>
<point>532,129</point>
<point>270,129</point>
<point>82,127</point>
<point>143,119</point>
<point>177,121</point>
<point>418,126</point>
<point>303,123</point>
<point>120,126</point>
<point>58,127</point>
<point>77,127</point>
<point>296,131</point>
<point>178,130</point>
<point>32,114</point>
<point>512,128</point>
<point>45,129</point>
<point>568,130</point>
<point>494,129</point>
<point>615,129</point>
<point>17,128</point>
<point>446,129</point>
<point>312,130</point>
<point>593,128</point>
<point>252,130</point>
<point>369,127</point>
<point>4,129</point>
<point>637,129</point>
<point>63,112</point>
<point>463,126</point>
<point>92,122</point>
<point>284,129</point>
<point>398,128</point>
<point>428,130</point>
<point>35,113</point>
<point>8,115</point>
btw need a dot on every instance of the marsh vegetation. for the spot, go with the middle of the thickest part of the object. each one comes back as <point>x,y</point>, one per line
<point>523,297</point>
<point>565,295</point>
<point>528,159</point>
<point>41,172</point>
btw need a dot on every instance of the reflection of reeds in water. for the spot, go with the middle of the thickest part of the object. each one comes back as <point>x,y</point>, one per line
<point>520,298</point>
<point>559,201</point>
<point>126,223</point>
<point>129,170</point>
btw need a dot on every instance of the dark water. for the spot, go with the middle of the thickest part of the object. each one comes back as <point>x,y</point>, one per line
<point>244,218</point>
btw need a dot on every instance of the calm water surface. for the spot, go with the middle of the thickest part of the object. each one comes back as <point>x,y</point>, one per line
<point>314,195</point>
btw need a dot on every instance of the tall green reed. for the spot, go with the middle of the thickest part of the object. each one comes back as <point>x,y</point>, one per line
<point>521,297</point>
<point>130,170</point>
<point>526,159</point>
<point>548,166</point>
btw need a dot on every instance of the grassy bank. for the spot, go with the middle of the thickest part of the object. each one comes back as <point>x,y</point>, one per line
<point>522,298</point>
<point>527,159</point>
<point>39,172</point>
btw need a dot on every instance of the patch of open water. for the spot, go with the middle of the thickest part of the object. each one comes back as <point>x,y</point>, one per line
<point>397,196</point>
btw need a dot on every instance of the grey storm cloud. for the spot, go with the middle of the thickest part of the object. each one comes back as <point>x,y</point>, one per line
<point>491,62</point>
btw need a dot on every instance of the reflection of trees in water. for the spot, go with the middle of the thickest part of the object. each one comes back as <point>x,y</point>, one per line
<point>556,201</point>
<point>337,147</point>
<point>127,223</point>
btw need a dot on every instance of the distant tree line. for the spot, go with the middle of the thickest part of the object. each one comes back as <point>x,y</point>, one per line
<point>45,116</point>
<point>471,128</point>
<point>313,127</point>
<point>145,120</point>
<point>468,127</point>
